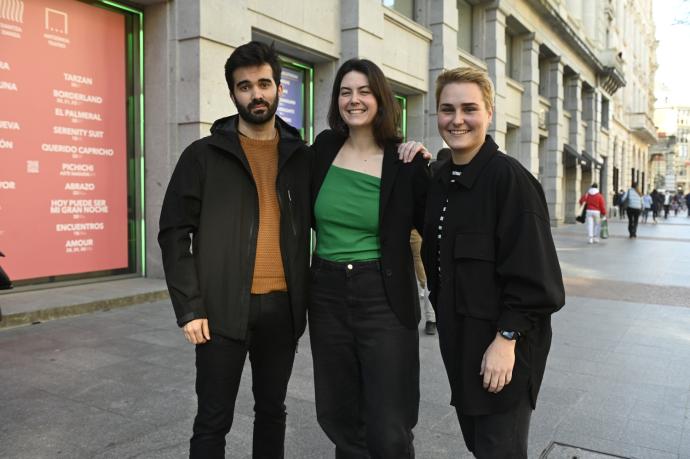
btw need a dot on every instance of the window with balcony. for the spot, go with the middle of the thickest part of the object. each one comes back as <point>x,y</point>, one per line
<point>405,7</point>
<point>464,25</point>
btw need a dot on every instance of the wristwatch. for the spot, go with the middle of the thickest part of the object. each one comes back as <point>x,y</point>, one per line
<point>509,334</point>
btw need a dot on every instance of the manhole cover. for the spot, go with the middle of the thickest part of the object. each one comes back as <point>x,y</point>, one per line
<point>563,451</point>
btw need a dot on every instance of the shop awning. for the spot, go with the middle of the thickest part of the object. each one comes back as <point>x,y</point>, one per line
<point>591,159</point>
<point>579,159</point>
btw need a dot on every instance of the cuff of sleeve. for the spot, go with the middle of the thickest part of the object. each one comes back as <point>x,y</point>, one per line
<point>196,312</point>
<point>514,321</point>
<point>182,321</point>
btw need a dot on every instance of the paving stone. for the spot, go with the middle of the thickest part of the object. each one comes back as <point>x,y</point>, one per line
<point>653,435</point>
<point>121,382</point>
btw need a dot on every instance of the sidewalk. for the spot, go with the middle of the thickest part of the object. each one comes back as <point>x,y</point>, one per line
<point>120,383</point>
<point>22,307</point>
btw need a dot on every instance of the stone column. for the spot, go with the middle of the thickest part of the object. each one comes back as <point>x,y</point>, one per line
<point>553,170</point>
<point>495,58</point>
<point>529,118</point>
<point>574,185</point>
<point>187,44</point>
<point>625,166</point>
<point>442,20</point>
<point>361,30</point>
<point>589,115</point>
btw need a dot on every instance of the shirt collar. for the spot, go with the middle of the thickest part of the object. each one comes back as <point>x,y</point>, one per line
<point>473,169</point>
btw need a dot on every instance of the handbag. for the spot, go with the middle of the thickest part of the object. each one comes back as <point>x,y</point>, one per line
<point>604,233</point>
<point>583,214</point>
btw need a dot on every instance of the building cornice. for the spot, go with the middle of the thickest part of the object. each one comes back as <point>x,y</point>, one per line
<point>611,77</point>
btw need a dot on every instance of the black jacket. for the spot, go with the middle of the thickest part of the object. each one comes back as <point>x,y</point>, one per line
<point>401,207</point>
<point>499,266</point>
<point>209,224</point>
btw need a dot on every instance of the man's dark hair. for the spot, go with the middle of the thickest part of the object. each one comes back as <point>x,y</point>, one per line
<point>252,54</point>
<point>387,119</point>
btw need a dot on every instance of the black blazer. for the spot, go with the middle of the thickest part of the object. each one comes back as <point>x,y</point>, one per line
<point>401,207</point>
<point>499,268</point>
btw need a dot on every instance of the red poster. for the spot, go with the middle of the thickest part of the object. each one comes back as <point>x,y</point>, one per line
<point>63,159</point>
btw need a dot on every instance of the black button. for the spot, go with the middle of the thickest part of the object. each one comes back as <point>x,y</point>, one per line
<point>389,272</point>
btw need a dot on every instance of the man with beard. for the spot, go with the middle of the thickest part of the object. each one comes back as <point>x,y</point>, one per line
<point>234,233</point>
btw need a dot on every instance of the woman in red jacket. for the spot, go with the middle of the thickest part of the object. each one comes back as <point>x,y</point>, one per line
<point>596,209</point>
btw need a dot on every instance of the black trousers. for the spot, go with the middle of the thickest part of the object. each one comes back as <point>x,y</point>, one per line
<point>366,363</point>
<point>498,436</point>
<point>633,217</point>
<point>219,362</point>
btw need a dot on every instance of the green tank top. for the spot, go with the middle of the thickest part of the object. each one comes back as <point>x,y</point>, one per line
<point>347,216</point>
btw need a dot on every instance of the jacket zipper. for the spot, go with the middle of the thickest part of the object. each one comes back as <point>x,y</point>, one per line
<point>289,210</point>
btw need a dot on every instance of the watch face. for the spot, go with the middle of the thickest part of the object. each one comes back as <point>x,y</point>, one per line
<point>509,334</point>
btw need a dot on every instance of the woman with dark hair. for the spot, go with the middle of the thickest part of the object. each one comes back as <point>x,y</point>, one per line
<point>364,310</point>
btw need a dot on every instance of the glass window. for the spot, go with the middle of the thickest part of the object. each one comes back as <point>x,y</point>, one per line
<point>605,112</point>
<point>509,54</point>
<point>464,25</point>
<point>296,105</point>
<point>402,102</point>
<point>405,7</point>
<point>79,213</point>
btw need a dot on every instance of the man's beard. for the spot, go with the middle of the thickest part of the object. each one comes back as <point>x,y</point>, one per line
<point>258,118</point>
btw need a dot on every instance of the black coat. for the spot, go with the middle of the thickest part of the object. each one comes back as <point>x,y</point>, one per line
<point>401,207</point>
<point>212,197</point>
<point>499,270</point>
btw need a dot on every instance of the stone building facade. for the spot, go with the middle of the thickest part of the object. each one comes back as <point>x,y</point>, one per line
<point>670,156</point>
<point>574,78</point>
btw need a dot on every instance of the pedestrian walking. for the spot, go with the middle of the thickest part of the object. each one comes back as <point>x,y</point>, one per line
<point>657,204</point>
<point>615,202</point>
<point>424,301</point>
<point>492,270</point>
<point>676,203</point>
<point>647,204</point>
<point>595,210</point>
<point>621,204</point>
<point>687,203</point>
<point>633,204</point>
<point>364,309</point>
<point>234,233</point>
<point>667,204</point>
<point>5,282</point>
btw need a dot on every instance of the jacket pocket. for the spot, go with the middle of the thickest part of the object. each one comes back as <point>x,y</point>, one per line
<point>477,291</point>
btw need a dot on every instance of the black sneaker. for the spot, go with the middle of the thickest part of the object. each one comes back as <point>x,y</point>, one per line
<point>430,328</point>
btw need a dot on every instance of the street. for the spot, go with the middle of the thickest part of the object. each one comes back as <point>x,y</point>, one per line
<point>120,383</point>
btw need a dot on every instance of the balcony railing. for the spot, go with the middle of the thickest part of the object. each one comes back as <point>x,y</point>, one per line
<point>613,75</point>
<point>643,126</point>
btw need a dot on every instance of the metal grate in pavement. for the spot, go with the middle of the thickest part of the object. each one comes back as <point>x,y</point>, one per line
<point>562,451</point>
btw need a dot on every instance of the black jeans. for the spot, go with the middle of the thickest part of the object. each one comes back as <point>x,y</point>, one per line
<point>498,436</point>
<point>633,217</point>
<point>366,363</point>
<point>219,362</point>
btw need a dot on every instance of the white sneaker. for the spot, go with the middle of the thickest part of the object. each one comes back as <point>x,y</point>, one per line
<point>591,241</point>
<point>596,240</point>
